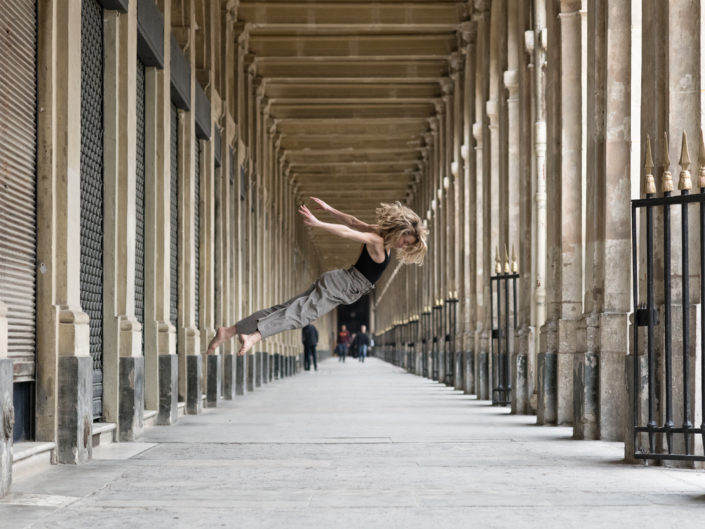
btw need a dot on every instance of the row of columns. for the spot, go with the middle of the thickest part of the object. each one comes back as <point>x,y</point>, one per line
<point>535,147</point>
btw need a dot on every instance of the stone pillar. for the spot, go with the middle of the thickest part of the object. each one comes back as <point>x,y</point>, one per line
<point>123,363</point>
<point>241,374</point>
<point>250,367</point>
<point>160,361</point>
<point>64,366</point>
<point>565,236</point>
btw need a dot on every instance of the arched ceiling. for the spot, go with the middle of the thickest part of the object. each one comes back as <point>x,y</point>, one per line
<point>352,86</point>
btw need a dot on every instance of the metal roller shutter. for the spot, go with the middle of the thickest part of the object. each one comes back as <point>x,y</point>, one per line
<point>18,224</point>
<point>92,187</point>
<point>197,220</point>
<point>174,221</point>
<point>139,200</point>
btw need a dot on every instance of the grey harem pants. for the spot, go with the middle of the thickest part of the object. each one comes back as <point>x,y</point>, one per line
<point>337,287</point>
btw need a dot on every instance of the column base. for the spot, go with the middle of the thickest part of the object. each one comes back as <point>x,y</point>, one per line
<point>469,373</point>
<point>75,409</point>
<point>520,385</point>
<point>240,374</point>
<point>546,411</point>
<point>276,366</point>
<point>168,389</point>
<point>458,382</point>
<point>483,376</point>
<point>194,390</point>
<point>7,419</point>
<point>586,380</point>
<point>228,380</point>
<point>250,368</point>
<point>131,386</point>
<point>265,367</point>
<point>258,368</point>
<point>214,377</point>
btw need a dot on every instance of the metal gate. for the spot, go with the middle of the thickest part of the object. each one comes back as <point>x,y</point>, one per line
<point>504,286</point>
<point>662,430</point>
<point>139,199</point>
<point>18,223</point>
<point>92,187</point>
<point>451,318</point>
<point>425,332</point>
<point>174,222</point>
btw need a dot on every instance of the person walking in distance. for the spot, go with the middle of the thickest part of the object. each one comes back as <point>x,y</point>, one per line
<point>363,343</point>
<point>397,227</point>
<point>343,342</point>
<point>309,337</point>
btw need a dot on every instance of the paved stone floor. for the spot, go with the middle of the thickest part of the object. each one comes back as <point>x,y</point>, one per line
<point>357,446</point>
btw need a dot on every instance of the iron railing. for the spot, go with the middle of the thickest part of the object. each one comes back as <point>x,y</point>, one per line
<point>501,284</point>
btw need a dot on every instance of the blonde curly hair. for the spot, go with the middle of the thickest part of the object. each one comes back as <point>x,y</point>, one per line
<point>396,220</point>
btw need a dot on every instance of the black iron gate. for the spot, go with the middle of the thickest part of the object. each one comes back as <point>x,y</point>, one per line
<point>437,333</point>
<point>504,286</point>
<point>92,187</point>
<point>668,433</point>
<point>425,339</point>
<point>451,316</point>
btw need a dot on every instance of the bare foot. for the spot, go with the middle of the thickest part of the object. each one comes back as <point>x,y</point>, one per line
<point>222,334</point>
<point>247,341</point>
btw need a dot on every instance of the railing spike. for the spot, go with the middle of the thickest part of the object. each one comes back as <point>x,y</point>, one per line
<point>667,183</point>
<point>684,182</point>
<point>649,168</point>
<point>507,268</point>
<point>515,265</point>
<point>497,262</point>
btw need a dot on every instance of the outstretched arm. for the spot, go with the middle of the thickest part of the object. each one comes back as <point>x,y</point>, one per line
<point>341,231</point>
<point>348,220</point>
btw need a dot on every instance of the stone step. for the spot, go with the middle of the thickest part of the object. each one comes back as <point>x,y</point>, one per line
<point>104,433</point>
<point>29,458</point>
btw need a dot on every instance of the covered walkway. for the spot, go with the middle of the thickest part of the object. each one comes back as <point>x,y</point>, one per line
<point>360,446</point>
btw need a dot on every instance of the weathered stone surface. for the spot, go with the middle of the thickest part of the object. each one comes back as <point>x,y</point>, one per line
<point>168,389</point>
<point>131,397</point>
<point>546,390</point>
<point>214,378</point>
<point>520,386</point>
<point>586,381</point>
<point>229,369</point>
<point>483,370</point>
<point>75,409</point>
<point>276,363</point>
<point>240,374</point>
<point>250,367</point>
<point>265,367</point>
<point>7,420</point>
<point>194,390</point>
<point>469,376</point>
<point>259,360</point>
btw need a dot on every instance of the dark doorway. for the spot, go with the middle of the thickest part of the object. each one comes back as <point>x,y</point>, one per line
<point>355,315</point>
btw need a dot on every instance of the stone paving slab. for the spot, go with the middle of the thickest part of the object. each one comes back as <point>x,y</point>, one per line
<point>357,446</point>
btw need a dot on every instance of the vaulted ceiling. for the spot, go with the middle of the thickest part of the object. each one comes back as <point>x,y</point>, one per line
<point>352,86</point>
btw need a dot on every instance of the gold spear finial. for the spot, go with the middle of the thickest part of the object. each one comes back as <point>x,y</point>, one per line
<point>701,161</point>
<point>497,262</point>
<point>507,268</point>
<point>684,182</point>
<point>649,168</point>
<point>667,183</point>
<point>515,265</point>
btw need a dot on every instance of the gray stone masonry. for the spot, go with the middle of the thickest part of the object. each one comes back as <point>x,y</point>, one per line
<point>250,367</point>
<point>229,367</point>
<point>75,409</point>
<point>194,376</point>
<point>258,368</point>
<point>168,389</point>
<point>131,397</point>
<point>214,377</point>
<point>240,374</point>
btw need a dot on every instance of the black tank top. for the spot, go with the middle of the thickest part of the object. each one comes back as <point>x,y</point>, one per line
<point>368,268</point>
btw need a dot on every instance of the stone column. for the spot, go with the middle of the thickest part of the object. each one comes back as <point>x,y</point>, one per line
<point>64,366</point>
<point>123,363</point>
<point>564,236</point>
<point>160,361</point>
<point>191,362</point>
<point>603,341</point>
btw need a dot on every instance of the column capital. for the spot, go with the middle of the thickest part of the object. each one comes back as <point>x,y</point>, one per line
<point>491,110</point>
<point>511,82</point>
<point>477,132</point>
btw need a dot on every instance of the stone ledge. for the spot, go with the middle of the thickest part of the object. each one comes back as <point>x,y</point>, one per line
<point>103,433</point>
<point>29,458</point>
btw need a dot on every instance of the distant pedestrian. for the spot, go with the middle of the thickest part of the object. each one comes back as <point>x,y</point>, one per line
<point>343,342</point>
<point>309,337</point>
<point>363,343</point>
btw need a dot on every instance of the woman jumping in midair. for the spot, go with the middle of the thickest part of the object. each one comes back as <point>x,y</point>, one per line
<point>397,227</point>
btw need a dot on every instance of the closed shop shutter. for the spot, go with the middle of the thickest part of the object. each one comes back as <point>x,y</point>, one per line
<point>139,200</point>
<point>197,217</point>
<point>92,187</point>
<point>174,220</point>
<point>18,225</point>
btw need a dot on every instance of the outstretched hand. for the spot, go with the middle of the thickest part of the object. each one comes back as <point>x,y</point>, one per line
<point>309,218</point>
<point>320,204</point>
